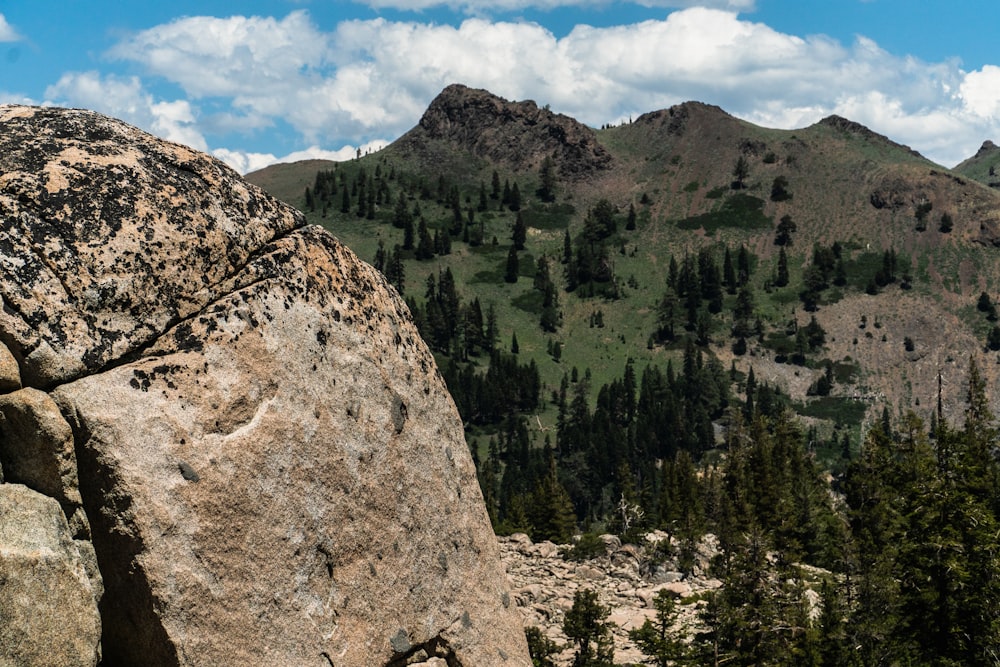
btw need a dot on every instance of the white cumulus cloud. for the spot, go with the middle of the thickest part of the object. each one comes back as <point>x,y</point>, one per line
<point>483,6</point>
<point>7,32</point>
<point>980,92</point>
<point>126,98</point>
<point>245,162</point>
<point>362,79</point>
<point>245,58</point>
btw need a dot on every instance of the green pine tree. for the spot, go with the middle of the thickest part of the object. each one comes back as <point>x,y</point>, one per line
<point>660,640</point>
<point>586,626</point>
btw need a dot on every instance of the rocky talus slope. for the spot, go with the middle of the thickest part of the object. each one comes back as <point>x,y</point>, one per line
<point>543,583</point>
<point>222,441</point>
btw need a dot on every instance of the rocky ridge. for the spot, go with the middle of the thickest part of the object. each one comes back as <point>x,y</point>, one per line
<point>221,439</point>
<point>518,135</point>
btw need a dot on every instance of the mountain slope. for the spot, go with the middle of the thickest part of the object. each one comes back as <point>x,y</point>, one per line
<point>839,182</point>
<point>983,165</point>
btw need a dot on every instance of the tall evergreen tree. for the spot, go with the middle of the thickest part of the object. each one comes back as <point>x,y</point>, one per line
<point>781,276</point>
<point>586,626</point>
<point>520,232</point>
<point>729,272</point>
<point>658,640</point>
<point>552,515</point>
<point>513,266</point>
<point>547,179</point>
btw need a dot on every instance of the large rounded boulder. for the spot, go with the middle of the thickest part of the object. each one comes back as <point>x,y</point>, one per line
<point>270,469</point>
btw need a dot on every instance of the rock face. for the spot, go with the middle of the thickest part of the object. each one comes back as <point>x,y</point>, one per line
<point>518,134</point>
<point>48,609</point>
<point>270,468</point>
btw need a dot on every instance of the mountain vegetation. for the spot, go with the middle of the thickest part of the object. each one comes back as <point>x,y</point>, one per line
<point>690,323</point>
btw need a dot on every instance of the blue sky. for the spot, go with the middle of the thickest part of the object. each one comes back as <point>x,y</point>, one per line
<point>263,81</point>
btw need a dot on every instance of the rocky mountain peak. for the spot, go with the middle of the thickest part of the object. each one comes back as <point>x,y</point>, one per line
<point>519,135</point>
<point>853,127</point>
<point>987,148</point>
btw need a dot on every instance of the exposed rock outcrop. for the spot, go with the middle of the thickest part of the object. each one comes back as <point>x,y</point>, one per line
<point>48,610</point>
<point>544,582</point>
<point>987,148</point>
<point>854,128</point>
<point>519,135</point>
<point>270,467</point>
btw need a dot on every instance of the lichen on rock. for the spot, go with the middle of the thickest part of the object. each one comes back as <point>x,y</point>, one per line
<point>270,467</point>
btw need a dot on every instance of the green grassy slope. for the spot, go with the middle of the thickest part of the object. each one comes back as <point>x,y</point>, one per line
<point>846,185</point>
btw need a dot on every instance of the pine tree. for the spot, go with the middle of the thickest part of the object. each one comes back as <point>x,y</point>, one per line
<point>658,640</point>
<point>742,266</point>
<point>585,625</point>
<point>520,233</point>
<point>425,244</point>
<point>408,235</point>
<point>740,172</point>
<point>552,513</point>
<point>547,178</point>
<point>515,198</point>
<point>781,277</point>
<point>483,205</point>
<point>394,271</point>
<point>540,648</point>
<point>491,332</point>
<point>401,214</point>
<point>380,258</point>
<point>513,266</point>
<point>833,641</point>
<point>728,272</point>
<point>362,198</point>
<point>783,233</point>
<point>551,318</point>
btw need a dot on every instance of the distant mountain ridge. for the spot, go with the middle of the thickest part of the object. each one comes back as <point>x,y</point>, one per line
<point>708,327</point>
<point>838,181</point>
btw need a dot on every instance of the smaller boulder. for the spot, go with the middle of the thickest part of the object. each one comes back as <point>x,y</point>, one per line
<point>36,446</point>
<point>48,611</point>
<point>10,372</point>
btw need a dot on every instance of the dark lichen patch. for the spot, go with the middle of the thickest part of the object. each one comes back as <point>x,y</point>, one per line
<point>143,379</point>
<point>186,340</point>
<point>91,198</point>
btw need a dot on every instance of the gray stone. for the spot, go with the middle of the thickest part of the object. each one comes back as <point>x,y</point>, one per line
<point>36,446</point>
<point>10,373</point>
<point>48,610</point>
<point>271,465</point>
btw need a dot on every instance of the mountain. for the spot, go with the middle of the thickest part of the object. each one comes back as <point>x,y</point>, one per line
<point>983,165</point>
<point>839,182</point>
<point>776,342</point>
<point>514,135</point>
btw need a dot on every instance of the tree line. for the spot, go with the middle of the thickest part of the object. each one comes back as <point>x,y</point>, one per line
<point>906,537</point>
